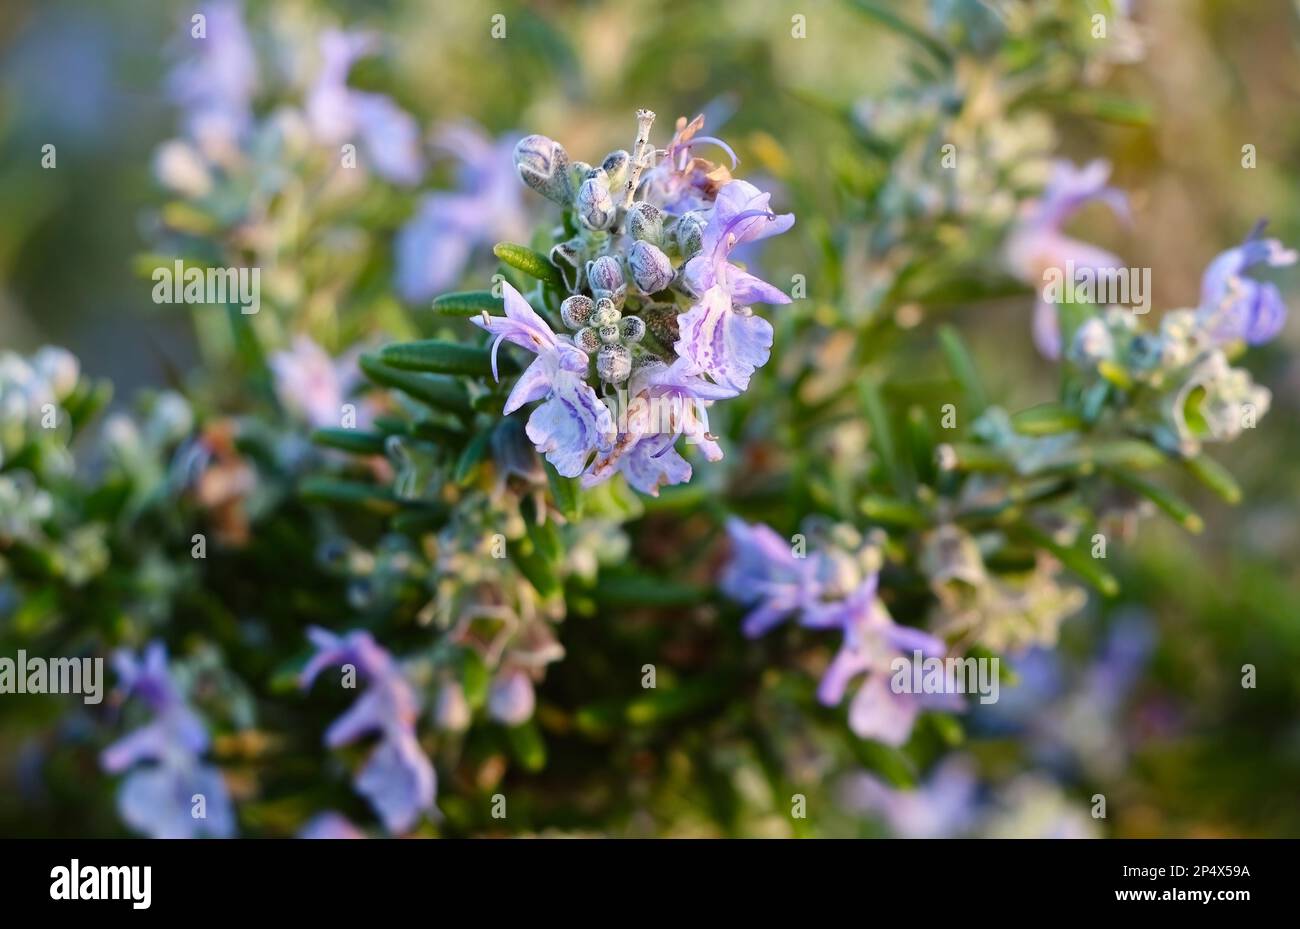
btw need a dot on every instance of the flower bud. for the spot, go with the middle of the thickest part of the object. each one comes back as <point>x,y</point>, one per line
<point>651,269</point>
<point>594,204</point>
<point>615,167</point>
<point>543,165</point>
<point>614,363</point>
<point>605,277</point>
<point>576,310</point>
<point>633,328</point>
<point>645,223</point>
<point>587,339</point>
<point>690,233</point>
<point>606,314</point>
<point>609,334</point>
<point>567,257</point>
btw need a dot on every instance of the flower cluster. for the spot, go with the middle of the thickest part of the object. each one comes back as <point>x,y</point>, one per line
<point>398,779</point>
<point>175,795</point>
<point>647,232</point>
<point>836,586</point>
<point>1180,386</point>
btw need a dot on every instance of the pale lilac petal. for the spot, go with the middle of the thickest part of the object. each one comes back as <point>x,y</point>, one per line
<point>746,289</point>
<point>511,698</point>
<point>533,384</point>
<point>399,782</point>
<point>570,425</point>
<point>878,713</point>
<point>647,469</point>
<point>725,344</point>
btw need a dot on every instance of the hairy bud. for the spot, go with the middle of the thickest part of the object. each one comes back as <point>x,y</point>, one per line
<point>605,277</point>
<point>543,165</point>
<point>633,328</point>
<point>576,310</point>
<point>606,314</point>
<point>594,204</point>
<point>587,339</point>
<point>614,363</point>
<point>651,269</point>
<point>645,223</point>
<point>690,233</point>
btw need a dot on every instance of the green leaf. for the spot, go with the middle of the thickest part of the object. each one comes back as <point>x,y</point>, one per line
<point>566,492</point>
<point>468,303</point>
<point>534,566</point>
<point>645,590</point>
<point>1174,506</point>
<point>349,493</point>
<point>963,368</point>
<point>531,263</point>
<point>467,464</point>
<point>438,357</point>
<point>1080,562</point>
<point>350,440</point>
<point>891,511</point>
<point>891,764</point>
<point>890,19</point>
<point>1046,419</point>
<point>527,746</point>
<point>435,390</point>
<point>1214,476</point>
<point>882,436</point>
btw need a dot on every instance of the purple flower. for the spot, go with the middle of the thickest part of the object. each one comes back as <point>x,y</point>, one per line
<point>872,641</point>
<point>946,805</point>
<point>163,797</point>
<point>719,334</point>
<point>433,248</point>
<point>398,779</point>
<point>337,113</point>
<point>1036,245</point>
<point>1234,306</point>
<point>511,698</point>
<point>330,825</point>
<point>572,422</point>
<point>668,402</point>
<point>215,86</point>
<point>312,385</point>
<point>682,182</point>
<point>764,573</point>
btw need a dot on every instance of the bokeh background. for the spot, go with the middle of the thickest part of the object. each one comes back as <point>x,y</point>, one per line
<point>1143,700</point>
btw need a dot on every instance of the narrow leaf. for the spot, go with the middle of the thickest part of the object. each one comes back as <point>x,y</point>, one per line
<point>468,303</point>
<point>433,355</point>
<point>434,390</point>
<point>531,263</point>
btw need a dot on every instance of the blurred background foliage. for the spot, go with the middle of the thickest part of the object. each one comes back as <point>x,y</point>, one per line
<point>1178,747</point>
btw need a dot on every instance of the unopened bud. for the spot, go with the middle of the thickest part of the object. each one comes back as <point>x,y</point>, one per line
<point>615,167</point>
<point>594,204</point>
<point>646,223</point>
<point>651,269</point>
<point>543,165</point>
<point>614,363</point>
<point>633,328</point>
<point>606,313</point>
<point>587,339</point>
<point>576,310</point>
<point>605,277</point>
<point>690,233</point>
